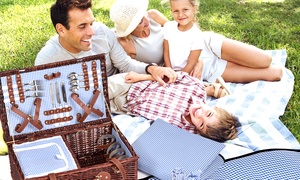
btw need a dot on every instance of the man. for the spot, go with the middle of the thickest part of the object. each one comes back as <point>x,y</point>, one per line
<point>79,36</point>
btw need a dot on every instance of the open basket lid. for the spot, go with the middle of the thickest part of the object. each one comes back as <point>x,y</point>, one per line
<point>54,98</point>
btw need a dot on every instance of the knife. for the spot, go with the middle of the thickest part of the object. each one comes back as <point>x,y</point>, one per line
<point>52,95</point>
<point>57,94</point>
<point>63,90</point>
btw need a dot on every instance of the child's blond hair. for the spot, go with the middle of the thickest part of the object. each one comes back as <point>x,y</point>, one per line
<point>224,129</point>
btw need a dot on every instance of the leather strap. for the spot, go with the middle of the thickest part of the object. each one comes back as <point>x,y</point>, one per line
<point>20,88</point>
<point>52,176</point>
<point>120,168</point>
<point>10,90</point>
<point>57,111</point>
<point>75,97</point>
<point>58,120</point>
<point>94,74</point>
<point>86,76</point>
<point>87,108</point>
<point>52,76</point>
<point>27,118</point>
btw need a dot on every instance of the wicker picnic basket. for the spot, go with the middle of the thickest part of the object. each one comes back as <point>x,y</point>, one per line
<point>34,125</point>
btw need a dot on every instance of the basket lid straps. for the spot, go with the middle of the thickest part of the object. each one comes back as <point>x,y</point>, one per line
<point>87,108</point>
<point>28,118</point>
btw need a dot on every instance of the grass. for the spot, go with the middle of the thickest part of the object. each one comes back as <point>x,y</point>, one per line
<point>268,24</point>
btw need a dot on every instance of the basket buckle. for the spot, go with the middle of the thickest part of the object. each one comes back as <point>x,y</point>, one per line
<point>103,176</point>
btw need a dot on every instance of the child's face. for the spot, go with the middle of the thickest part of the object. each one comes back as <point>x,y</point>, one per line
<point>202,115</point>
<point>183,11</point>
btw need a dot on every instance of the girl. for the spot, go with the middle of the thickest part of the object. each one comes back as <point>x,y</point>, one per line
<point>183,40</point>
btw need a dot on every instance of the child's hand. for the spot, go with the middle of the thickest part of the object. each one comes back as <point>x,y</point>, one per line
<point>132,77</point>
<point>197,71</point>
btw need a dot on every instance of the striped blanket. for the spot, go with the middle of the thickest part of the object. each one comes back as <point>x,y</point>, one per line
<point>258,105</point>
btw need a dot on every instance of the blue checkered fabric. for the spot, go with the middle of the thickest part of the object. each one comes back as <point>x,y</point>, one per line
<point>164,148</point>
<point>267,164</point>
<point>44,156</point>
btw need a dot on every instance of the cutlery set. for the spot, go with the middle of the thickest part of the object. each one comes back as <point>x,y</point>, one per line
<point>51,94</point>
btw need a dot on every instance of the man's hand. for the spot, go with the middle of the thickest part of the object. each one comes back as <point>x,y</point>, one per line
<point>158,73</point>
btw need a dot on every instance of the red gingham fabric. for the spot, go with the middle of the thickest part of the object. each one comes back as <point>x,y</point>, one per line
<point>152,101</point>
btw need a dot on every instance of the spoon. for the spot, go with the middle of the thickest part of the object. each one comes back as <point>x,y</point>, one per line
<point>75,81</point>
<point>74,75</point>
<point>75,88</point>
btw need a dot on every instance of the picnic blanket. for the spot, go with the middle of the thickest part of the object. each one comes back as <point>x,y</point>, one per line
<point>258,105</point>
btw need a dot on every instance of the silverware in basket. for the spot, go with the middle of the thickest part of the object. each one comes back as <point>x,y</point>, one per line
<point>35,94</point>
<point>64,94</point>
<point>75,81</point>
<point>74,75</point>
<point>34,83</point>
<point>52,95</point>
<point>35,88</point>
<point>75,88</point>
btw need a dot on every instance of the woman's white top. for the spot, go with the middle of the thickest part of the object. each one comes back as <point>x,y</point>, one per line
<point>150,49</point>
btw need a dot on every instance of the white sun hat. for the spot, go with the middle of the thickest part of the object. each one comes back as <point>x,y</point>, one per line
<point>127,14</point>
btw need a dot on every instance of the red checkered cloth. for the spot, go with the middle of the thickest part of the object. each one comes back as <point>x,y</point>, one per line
<point>153,101</point>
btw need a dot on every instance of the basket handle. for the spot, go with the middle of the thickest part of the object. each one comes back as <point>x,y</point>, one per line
<point>118,169</point>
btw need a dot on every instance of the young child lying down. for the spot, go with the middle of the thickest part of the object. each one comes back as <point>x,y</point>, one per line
<point>182,103</point>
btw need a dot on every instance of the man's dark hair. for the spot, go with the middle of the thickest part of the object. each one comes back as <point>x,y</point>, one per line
<point>59,10</point>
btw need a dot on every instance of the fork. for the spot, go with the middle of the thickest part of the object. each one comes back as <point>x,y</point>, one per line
<point>35,94</point>
<point>35,88</point>
<point>34,83</point>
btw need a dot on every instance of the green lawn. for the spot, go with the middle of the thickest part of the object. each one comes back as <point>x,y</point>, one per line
<point>268,24</point>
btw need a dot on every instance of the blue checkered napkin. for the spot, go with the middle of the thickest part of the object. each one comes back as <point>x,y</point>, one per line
<point>164,147</point>
<point>269,164</point>
<point>41,157</point>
